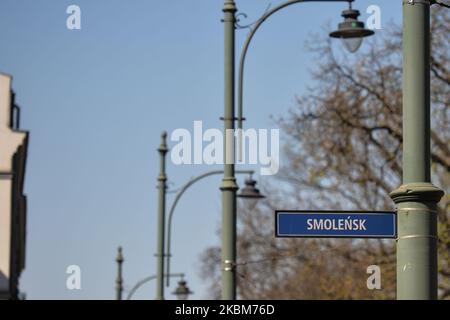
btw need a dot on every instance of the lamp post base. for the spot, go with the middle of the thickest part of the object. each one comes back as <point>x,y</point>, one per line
<point>417,259</point>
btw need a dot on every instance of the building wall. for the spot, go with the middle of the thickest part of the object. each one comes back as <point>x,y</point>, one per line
<point>5,236</point>
<point>13,147</point>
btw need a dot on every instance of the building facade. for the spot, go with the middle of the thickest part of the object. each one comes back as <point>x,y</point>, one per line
<point>13,201</point>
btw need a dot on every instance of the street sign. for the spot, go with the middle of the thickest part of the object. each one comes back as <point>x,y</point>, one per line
<point>335,224</point>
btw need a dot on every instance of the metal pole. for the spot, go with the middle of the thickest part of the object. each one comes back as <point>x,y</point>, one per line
<point>119,280</point>
<point>174,205</point>
<point>228,185</point>
<point>162,178</point>
<point>417,198</point>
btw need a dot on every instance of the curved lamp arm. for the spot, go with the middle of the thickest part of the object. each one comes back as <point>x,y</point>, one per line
<point>252,32</point>
<point>174,204</point>
<point>150,278</point>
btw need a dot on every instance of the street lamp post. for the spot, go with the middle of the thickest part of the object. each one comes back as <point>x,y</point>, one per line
<point>162,179</point>
<point>417,198</point>
<point>162,192</point>
<point>248,192</point>
<point>228,185</point>
<point>182,291</point>
<point>119,280</point>
<point>350,29</point>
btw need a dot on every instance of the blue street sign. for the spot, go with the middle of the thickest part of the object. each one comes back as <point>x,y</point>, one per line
<point>335,224</point>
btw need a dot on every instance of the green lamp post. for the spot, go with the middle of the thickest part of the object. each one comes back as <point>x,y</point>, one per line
<point>417,198</point>
<point>162,179</point>
<point>247,192</point>
<point>228,185</point>
<point>351,31</point>
<point>119,279</point>
<point>162,192</point>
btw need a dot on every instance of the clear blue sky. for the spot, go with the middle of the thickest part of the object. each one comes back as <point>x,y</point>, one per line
<point>96,100</point>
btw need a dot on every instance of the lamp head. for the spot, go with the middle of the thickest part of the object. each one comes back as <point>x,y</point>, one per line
<point>182,291</point>
<point>351,31</point>
<point>250,191</point>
